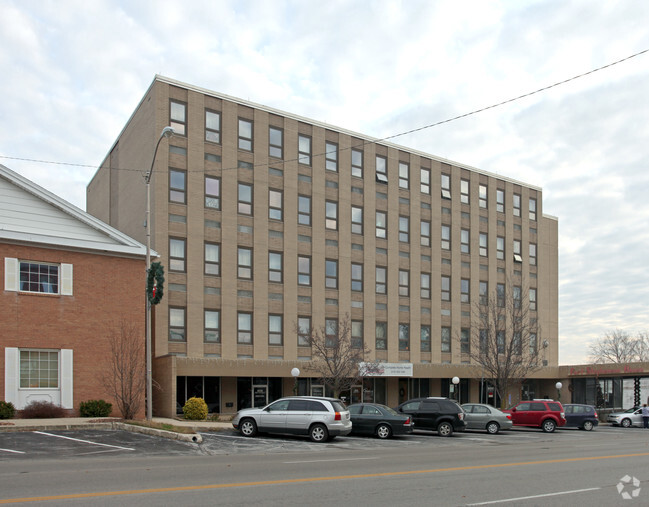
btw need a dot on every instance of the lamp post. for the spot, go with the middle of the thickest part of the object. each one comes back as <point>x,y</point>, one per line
<point>456,381</point>
<point>296,373</point>
<point>167,132</point>
<point>558,385</point>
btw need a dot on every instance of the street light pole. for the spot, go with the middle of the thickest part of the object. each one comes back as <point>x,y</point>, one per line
<point>167,132</point>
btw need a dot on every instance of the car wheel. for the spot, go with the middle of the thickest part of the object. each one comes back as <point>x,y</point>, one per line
<point>248,428</point>
<point>588,425</point>
<point>493,428</point>
<point>626,423</point>
<point>445,429</point>
<point>548,425</point>
<point>319,433</point>
<point>383,431</point>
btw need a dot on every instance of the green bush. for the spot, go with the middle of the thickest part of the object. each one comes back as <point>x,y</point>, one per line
<point>42,410</point>
<point>95,408</point>
<point>195,409</point>
<point>7,410</point>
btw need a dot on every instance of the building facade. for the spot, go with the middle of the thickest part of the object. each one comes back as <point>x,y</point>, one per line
<point>268,223</point>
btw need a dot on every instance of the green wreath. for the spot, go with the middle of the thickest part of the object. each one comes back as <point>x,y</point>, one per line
<point>155,283</point>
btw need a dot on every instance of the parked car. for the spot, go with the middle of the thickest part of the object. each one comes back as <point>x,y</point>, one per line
<point>630,417</point>
<point>437,414</point>
<point>545,414</point>
<point>581,416</point>
<point>320,418</point>
<point>379,420</point>
<point>479,416</point>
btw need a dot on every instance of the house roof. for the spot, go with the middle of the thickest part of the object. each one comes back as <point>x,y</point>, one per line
<point>30,214</point>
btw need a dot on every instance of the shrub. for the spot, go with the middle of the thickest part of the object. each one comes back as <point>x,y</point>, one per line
<point>95,408</point>
<point>42,410</point>
<point>195,409</point>
<point>7,410</point>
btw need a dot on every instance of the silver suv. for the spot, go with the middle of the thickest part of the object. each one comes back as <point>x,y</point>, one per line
<point>321,418</point>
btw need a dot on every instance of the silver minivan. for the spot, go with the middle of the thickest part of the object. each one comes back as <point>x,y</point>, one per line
<point>321,418</point>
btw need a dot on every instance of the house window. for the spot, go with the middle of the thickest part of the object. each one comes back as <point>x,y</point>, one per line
<point>404,229</point>
<point>446,186</point>
<point>357,334</point>
<point>425,181</point>
<point>176,254</point>
<point>424,236</point>
<point>483,244</point>
<point>381,280</point>
<point>275,142</point>
<point>357,163</point>
<point>381,336</point>
<point>275,205</point>
<point>464,241</point>
<point>275,267</point>
<point>331,157</point>
<point>331,274</point>
<point>464,191</point>
<point>357,277</point>
<point>532,207</point>
<point>212,192</point>
<point>482,195</point>
<point>517,251</point>
<point>212,126</point>
<point>404,174</point>
<point>304,270</point>
<point>39,369</point>
<point>37,277</point>
<point>533,300</point>
<point>532,254</point>
<point>275,330</point>
<point>304,331</point>
<point>177,186</point>
<point>244,328</point>
<point>464,290</point>
<point>500,201</point>
<point>304,210</point>
<point>331,333</point>
<point>425,285</point>
<point>404,283</point>
<point>484,293</point>
<point>500,248</point>
<point>245,134</point>
<point>465,341</point>
<point>304,150</point>
<point>500,295</point>
<point>244,263</point>
<point>446,339</point>
<point>424,338</point>
<point>245,199</point>
<point>404,337</point>
<point>212,259</point>
<point>176,324</point>
<point>212,325</point>
<point>446,288</point>
<point>331,215</point>
<point>357,220</point>
<point>381,169</point>
<point>381,224</point>
<point>446,237</point>
<point>516,205</point>
<point>178,117</point>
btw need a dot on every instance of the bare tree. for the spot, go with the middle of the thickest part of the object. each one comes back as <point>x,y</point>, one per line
<point>504,345</point>
<point>124,378</point>
<point>619,347</point>
<point>643,346</point>
<point>336,354</point>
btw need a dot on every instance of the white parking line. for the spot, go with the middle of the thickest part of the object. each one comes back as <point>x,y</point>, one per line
<point>11,450</point>
<point>534,496</point>
<point>84,441</point>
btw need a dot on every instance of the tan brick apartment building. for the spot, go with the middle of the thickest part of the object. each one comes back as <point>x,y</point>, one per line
<point>68,279</point>
<point>265,220</point>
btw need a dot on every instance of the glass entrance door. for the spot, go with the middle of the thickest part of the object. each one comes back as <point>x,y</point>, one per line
<point>259,396</point>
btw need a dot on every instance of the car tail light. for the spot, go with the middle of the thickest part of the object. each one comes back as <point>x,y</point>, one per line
<point>407,422</point>
<point>461,416</point>
<point>337,416</point>
<point>596,416</point>
<point>563,415</point>
<point>509,416</point>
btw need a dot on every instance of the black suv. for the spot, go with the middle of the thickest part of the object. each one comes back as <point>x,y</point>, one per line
<point>437,414</point>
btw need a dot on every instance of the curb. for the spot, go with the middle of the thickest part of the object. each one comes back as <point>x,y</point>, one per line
<point>184,437</point>
<point>46,427</point>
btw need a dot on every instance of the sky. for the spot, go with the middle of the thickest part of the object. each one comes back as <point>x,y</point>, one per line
<point>72,73</point>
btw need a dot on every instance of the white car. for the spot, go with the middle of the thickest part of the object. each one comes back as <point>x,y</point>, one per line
<point>626,419</point>
<point>321,418</point>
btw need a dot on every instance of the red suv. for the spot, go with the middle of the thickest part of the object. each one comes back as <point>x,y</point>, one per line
<point>544,414</point>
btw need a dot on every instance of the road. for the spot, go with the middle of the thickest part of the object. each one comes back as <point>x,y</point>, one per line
<point>520,467</point>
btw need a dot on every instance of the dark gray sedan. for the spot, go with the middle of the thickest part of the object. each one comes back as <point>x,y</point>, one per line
<point>379,420</point>
<point>479,416</point>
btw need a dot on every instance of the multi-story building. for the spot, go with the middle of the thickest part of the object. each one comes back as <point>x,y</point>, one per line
<point>268,223</point>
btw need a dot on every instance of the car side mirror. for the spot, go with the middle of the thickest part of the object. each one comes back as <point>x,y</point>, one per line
<point>514,409</point>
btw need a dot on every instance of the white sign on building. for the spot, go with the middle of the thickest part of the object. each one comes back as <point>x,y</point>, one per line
<point>385,369</point>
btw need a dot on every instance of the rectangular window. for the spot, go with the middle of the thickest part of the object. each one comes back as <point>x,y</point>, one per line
<point>500,295</point>
<point>177,186</point>
<point>176,254</point>
<point>357,334</point>
<point>381,224</point>
<point>244,328</point>
<point>500,201</point>
<point>532,208</point>
<point>516,297</point>
<point>500,248</point>
<point>245,199</point>
<point>39,369</point>
<point>482,189</point>
<point>425,181</point>
<point>464,290</point>
<point>304,331</point>
<point>500,342</point>
<point>517,343</point>
<point>446,288</point>
<point>304,210</point>
<point>331,215</point>
<point>404,174</point>
<point>381,336</point>
<point>245,134</point>
<point>357,163</point>
<point>484,293</point>
<point>404,337</point>
<point>532,254</point>
<point>446,237</point>
<point>483,341</point>
<point>177,324</point>
<point>465,341</point>
<point>483,244</point>
<point>275,205</point>
<point>212,259</point>
<point>425,286</point>
<point>425,233</point>
<point>446,339</point>
<point>331,332</point>
<point>516,205</point>
<point>533,300</point>
<point>212,126</point>
<point>212,325</point>
<point>532,344</point>
<point>404,283</point>
<point>424,339</point>
<point>304,270</point>
<point>331,156</point>
<point>37,277</point>
<point>331,274</point>
<point>275,330</point>
<point>517,251</point>
<point>244,263</point>
<point>446,186</point>
<point>212,192</point>
<point>357,277</point>
<point>464,191</point>
<point>381,280</point>
<point>381,169</point>
<point>357,220</point>
<point>464,241</point>
<point>304,149</point>
<point>275,142</point>
<point>404,229</point>
<point>275,264</point>
<point>178,117</point>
